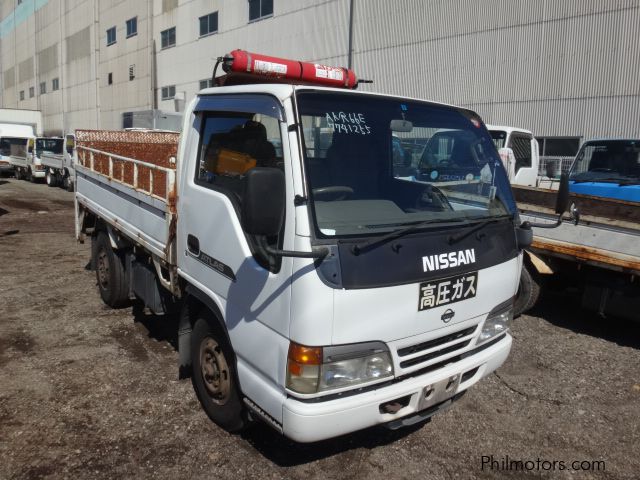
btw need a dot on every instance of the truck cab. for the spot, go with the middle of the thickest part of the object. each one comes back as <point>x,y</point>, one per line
<point>519,151</point>
<point>608,168</point>
<point>16,136</point>
<point>58,155</point>
<point>26,156</point>
<point>399,294</point>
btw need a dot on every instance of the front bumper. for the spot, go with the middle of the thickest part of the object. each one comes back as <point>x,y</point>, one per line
<point>313,421</point>
<point>38,173</point>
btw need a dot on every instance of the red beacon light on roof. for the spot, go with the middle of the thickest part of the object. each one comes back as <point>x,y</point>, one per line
<point>242,67</point>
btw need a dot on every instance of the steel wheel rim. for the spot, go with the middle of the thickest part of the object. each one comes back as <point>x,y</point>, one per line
<point>103,269</point>
<point>215,371</point>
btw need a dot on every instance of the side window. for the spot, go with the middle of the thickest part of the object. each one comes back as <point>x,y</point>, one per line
<point>5,147</point>
<point>521,147</point>
<point>234,143</point>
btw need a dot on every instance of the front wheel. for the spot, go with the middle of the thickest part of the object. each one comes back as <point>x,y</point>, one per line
<point>528,292</point>
<point>214,376</point>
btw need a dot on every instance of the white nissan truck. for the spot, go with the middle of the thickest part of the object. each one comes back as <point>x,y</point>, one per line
<point>319,290</point>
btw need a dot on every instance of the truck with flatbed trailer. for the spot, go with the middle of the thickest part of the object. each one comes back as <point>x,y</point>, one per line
<point>317,290</point>
<point>600,254</point>
<point>26,156</point>
<point>59,161</point>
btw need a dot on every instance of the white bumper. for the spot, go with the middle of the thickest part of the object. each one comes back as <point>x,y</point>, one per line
<point>310,422</point>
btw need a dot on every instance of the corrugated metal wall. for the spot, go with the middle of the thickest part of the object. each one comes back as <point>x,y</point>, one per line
<point>557,67</point>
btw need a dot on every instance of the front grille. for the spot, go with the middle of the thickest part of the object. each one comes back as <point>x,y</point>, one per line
<point>431,344</point>
<point>403,352</point>
<point>432,355</point>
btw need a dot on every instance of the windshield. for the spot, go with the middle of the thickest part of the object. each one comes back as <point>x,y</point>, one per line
<point>499,138</point>
<point>53,145</point>
<point>375,164</point>
<point>607,161</point>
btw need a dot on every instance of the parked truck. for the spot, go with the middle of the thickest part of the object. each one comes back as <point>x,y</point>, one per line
<point>519,152</point>
<point>23,117</point>
<point>600,255</point>
<point>317,291</point>
<point>26,156</point>
<point>59,160</point>
<point>11,134</point>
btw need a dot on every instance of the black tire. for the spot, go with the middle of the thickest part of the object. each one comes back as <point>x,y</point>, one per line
<point>214,375</point>
<point>111,275</point>
<point>30,176</point>
<point>528,292</point>
<point>50,179</point>
<point>67,184</point>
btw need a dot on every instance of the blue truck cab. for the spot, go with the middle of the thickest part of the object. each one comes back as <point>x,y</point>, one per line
<point>608,168</point>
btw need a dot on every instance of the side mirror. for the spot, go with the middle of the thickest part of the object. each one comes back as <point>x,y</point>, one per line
<point>524,236</point>
<point>263,203</point>
<point>70,144</point>
<point>562,198</point>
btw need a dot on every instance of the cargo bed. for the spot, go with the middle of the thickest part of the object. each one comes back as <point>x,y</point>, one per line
<point>127,179</point>
<point>607,236</point>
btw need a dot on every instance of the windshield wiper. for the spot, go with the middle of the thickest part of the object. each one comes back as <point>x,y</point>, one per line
<point>414,226</point>
<point>456,238</point>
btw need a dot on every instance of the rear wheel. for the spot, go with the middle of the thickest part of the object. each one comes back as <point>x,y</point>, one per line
<point>110,273</point>
<point>214,376</point>
<point>528,291</point>
<point>67,184</point>
<point>50,179</point>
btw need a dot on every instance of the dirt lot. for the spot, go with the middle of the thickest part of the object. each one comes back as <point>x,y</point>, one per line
<point>89,392</point>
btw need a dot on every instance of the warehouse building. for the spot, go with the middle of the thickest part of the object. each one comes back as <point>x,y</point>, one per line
<point>566,70</point>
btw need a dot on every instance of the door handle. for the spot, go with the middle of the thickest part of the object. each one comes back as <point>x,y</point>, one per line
<point>193,244</point>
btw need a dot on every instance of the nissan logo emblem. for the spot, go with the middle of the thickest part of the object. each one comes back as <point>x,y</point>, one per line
<point>447,315</point>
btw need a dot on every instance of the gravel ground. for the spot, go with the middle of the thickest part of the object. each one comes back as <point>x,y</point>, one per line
<point>89,392</point>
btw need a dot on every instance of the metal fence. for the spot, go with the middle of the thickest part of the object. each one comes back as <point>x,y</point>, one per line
<point>552,167</point>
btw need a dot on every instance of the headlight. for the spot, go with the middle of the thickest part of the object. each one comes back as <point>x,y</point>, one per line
<point>318,369</point>
<point>497,322</point>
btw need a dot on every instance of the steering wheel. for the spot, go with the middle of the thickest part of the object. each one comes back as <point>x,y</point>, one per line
<point>334,192</point>
<point>432,199</point>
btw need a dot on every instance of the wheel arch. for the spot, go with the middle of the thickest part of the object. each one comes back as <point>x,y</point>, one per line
<point>195,300</point>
